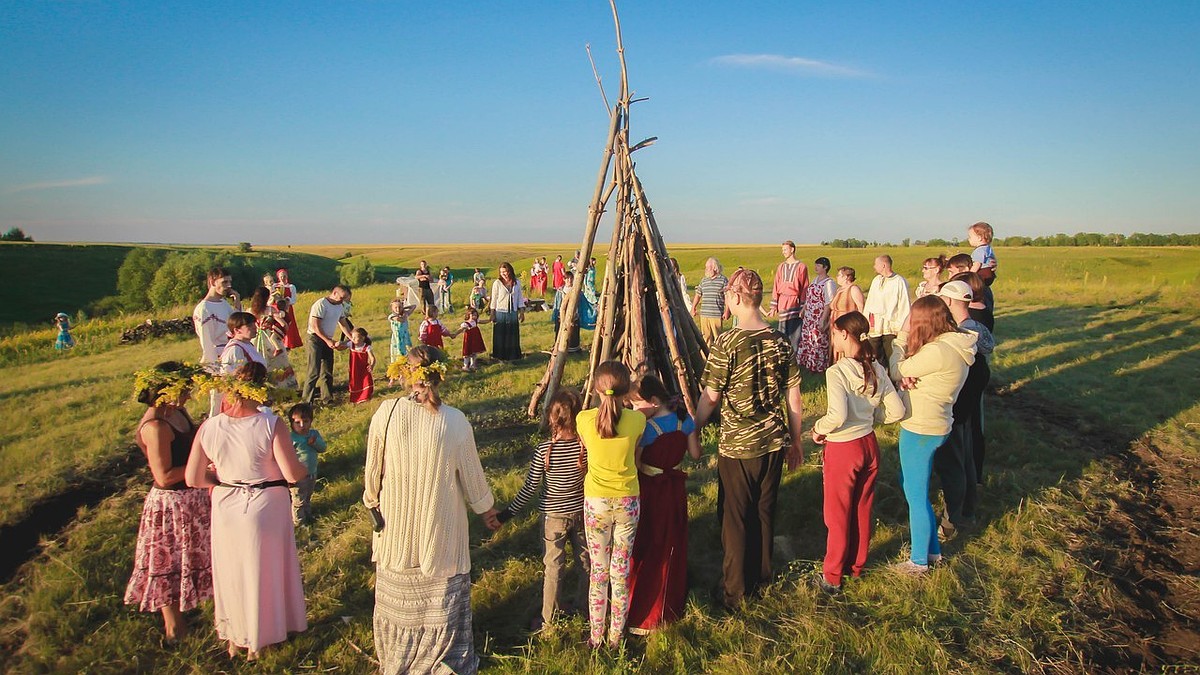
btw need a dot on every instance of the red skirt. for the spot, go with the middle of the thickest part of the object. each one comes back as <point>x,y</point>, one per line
<point>362,385</point>
<point>658,565</point>
<point>472,342</point>
<point>291,339</point>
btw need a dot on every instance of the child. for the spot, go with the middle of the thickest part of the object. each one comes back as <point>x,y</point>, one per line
<point>983,258</point>
<point>308,443</point>
<point>472,343</point>
<point>362,363</point>
<point>398,321</point>
<point>858,386</point>
<point>479,296</point>
<point>432,331</point>
<point>243,328</point>
<point>611,506</point>
<point>64,340</point>
<point>445,281</point>
<point>657,577</point>
<point>560,299</point>
<point>559,464</point>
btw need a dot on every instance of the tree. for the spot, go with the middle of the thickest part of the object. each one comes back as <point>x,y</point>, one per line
<point>357,272</point>
<point>244,247</point>
<point>135,276</point>
<point>182,278</point>
<point>15,234</point>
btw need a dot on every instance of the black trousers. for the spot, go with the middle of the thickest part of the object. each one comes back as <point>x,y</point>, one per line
<point>320,367</point>
<point>883,348</point>
<point>746,496</point>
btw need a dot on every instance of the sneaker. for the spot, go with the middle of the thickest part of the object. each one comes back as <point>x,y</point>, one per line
<point>824,586</point>
<point>910,568</point>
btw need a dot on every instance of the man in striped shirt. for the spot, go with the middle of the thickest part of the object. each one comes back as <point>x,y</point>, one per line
<point>751,372</point>
<point>710,301</point>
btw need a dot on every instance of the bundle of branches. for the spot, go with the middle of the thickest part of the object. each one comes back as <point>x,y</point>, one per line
<point>642,319</point>
<point>152,328</point>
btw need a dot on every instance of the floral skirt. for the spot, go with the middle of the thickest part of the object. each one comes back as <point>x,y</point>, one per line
<point>172,566</point>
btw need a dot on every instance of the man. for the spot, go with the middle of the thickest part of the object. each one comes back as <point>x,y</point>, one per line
<point>425,287</point>
<point>751,371</point>
<point>709,302</point>
<point>787,294</point>
<point>886,307</point>
<point>212,312</point>
<point>323,321</point>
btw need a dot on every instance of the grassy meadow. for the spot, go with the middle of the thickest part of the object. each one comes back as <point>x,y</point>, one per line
<point>1087,340</point>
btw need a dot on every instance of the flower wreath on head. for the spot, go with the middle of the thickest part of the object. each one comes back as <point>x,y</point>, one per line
<point>230,385</point>
<point>171,385</point>
<point>401,369</point>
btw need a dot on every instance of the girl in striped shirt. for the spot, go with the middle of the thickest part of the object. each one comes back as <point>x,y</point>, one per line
<point>559,465</point>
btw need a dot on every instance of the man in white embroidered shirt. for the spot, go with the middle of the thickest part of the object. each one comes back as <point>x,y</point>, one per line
<point>886,307</point>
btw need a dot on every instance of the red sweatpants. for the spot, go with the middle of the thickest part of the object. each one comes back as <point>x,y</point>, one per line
<point>849,477</point>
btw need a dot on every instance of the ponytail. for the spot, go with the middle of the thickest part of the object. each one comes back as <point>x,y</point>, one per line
<point>612,385</point>
<point>856,326</point>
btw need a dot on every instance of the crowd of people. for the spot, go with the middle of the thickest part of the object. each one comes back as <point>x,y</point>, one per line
<point>608,480</point>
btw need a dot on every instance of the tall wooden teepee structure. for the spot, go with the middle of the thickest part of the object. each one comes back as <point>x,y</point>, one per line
<point>642,319</point>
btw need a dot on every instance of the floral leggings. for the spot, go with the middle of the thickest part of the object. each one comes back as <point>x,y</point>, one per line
<point>610,524</point>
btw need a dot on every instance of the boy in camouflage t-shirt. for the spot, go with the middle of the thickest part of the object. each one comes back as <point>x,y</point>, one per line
<point>752,376</point>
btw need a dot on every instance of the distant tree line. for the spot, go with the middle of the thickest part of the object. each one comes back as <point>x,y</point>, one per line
<point>1078,239</point>
<point>15,234</point>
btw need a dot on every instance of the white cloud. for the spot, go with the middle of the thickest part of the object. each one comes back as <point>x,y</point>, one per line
<point>54,184</point>
<point>794,64</point>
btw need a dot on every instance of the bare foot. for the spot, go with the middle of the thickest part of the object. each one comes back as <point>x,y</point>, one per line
<point>251,656</point>
<point>233,650</point>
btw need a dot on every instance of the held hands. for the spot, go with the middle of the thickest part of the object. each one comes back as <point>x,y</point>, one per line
<point>490,519</point>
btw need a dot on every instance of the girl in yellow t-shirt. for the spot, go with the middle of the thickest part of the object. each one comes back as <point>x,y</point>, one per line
<point>611,505</point>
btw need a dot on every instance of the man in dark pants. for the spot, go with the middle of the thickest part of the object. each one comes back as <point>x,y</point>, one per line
<point>751,371</point>
<point>323,321</point>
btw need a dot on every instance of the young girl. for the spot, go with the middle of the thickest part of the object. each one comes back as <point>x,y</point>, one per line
<point>432,331</point>
<point>288,290</point>
<point>857,385</point>
<point>398,321</point>
<point>362,363</point>
<point>658,571</point>
<point>472,343</point>
<point>611,506</point>
<point>64,340</point>
<point>559,464</point>
<point>933,358</point>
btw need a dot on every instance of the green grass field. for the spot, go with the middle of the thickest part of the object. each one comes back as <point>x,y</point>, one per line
<point>1087,340</point>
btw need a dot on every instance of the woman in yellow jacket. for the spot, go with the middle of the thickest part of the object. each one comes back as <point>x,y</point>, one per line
<point>930,367</point>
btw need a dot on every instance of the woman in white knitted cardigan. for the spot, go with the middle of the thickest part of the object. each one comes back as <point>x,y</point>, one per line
<point>422,471</point>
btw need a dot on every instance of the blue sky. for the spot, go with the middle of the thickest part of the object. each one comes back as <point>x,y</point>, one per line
<point>404,122</point>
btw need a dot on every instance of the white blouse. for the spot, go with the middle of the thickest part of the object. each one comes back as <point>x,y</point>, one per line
<point>505,299</point>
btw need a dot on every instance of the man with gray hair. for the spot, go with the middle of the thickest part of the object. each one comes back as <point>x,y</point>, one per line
<point>709,302</point>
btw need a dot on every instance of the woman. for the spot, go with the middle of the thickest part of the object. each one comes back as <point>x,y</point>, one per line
<point>172,568</point>
<point>445,281</point>
<point>256,574</point>
<point>978,309</point>
<point>931,276</point>
<point>933,358</point>
<point>813,354</point>
<point>538,277</point>
<point>981,313</point>
<point>422,468</point>
<point>272,334</point>
<point>288,291</point>
<point>857,386</point>
<point>848,297</point>
<point>508,312</point>
<point>683,289</point>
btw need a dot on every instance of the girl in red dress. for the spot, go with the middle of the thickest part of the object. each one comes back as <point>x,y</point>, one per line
<point>292,339</point>
<point>472,342</point>
<point>658,569</point>
<point>362,363</point>
<point>432,331</point>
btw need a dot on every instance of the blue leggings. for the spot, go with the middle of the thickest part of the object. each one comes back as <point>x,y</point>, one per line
<point>916,463</point>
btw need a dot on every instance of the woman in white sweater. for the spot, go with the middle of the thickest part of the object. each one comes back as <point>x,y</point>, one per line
<point>422,471</point>
<point>931,362</point>
<point>858,389</point>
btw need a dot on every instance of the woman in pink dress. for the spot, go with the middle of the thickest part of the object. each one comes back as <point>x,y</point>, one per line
<point>288,290</point>
<point>259,597</point>
<point>813,354</point>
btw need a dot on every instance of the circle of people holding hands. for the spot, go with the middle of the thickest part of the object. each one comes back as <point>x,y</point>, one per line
<point>219,520</point>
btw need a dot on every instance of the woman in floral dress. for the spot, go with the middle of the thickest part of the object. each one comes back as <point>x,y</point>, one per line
<point>813,354</point>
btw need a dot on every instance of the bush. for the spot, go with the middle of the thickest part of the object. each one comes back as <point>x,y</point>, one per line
<point>15,234</point>
<point>244,247</point>
<point>357,272</point>
<point>182,278</point>
<point>135,276</point>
